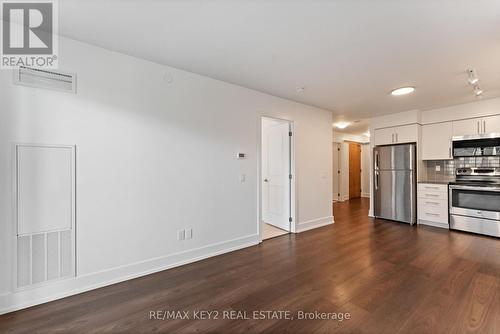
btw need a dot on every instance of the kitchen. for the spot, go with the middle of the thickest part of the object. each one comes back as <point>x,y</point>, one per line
<point>452,156</point>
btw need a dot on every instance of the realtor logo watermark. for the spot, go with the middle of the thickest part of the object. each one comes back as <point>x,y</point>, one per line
<point>29,33</point>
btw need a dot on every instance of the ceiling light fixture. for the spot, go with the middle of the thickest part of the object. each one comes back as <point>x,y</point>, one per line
<point>473,79</point>
<point>341,125</point>
<point>474,82</point>
<point>402,91</point>
<point>477,90</point>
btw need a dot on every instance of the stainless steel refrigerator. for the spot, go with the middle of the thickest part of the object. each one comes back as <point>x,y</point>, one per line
<point>395,182</point>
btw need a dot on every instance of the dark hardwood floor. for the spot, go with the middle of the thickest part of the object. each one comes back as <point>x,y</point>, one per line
<point>390,278</point>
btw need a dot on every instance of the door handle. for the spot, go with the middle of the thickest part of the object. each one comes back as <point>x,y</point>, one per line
<point>396,137</point>
<point>484,127</point>
<point>376,180</point>
<point>393,138</point>
<point>266,180</point>
<point>478,132</point>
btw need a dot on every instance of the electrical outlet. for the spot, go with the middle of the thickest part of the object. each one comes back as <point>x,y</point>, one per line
<point>181,234</point>
<point>438,168</point>
<point>189,233</point>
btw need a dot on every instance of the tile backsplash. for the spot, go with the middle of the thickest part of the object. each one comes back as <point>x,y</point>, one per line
<point>447,167</point>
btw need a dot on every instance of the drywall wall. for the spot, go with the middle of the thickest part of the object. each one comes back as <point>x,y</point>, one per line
<point>340,137</point>
<point>365,169</point>
<point>155,152</point>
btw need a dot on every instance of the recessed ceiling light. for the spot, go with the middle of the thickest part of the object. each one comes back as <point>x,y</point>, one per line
<point>367,133</point>
<point>403,91</point>
<point>341,125</point>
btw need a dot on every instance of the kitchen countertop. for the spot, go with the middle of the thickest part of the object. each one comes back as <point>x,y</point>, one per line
<point>435,182</point>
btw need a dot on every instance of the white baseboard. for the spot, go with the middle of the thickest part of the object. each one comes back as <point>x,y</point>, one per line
<point>365,195</point>
<point>315,223</point>
<point>17,300</point>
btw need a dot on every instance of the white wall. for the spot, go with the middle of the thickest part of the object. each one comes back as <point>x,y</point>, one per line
<point>365,169</point>
<point>154,157</point>
<point>339,137</point>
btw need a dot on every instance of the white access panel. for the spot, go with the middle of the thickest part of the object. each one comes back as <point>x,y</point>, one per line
<point>44,188</point>
<point>44,206</point>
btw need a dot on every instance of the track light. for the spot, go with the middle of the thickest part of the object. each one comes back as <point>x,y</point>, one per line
<point>477,90</point>
<point>473,79</point>
<point>474,82</point>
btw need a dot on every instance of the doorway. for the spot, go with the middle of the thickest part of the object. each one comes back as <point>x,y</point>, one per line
<point>354,170</point>
<point>276,178</point>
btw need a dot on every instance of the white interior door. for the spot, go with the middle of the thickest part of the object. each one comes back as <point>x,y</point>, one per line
<point>275,173</point>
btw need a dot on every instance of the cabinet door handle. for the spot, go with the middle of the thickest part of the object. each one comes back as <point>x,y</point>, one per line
<point>432,214</point>
<point>397,137</point>
<point>478,132</point>
<point>393,138</point>
<point>431,195</point>
<point>449,152</point>
<point>432,203</point>
<point>484,127</point>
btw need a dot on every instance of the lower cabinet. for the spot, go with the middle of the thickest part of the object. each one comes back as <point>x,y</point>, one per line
<point>432,204</point>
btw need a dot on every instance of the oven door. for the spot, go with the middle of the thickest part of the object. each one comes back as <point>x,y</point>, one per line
<point>475,201</point>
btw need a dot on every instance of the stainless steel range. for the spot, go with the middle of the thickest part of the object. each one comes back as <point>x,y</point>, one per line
<point>474,200</point>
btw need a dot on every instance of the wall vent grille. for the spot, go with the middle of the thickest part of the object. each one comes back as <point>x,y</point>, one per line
<point>48,79</point>
<point>44,257</point>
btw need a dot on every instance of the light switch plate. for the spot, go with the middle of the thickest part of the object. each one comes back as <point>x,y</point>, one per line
<point>438,168</point>
<point>189,233</point>
<point>181,234</point>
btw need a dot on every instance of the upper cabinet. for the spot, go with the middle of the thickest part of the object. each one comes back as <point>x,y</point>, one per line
<point>466,127</point>
<point>436,141</point>
<point>491,124</point>
<point>476,126</point>
<point>396,135</point>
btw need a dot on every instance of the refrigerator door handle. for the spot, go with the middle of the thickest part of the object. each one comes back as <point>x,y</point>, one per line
<point>376,179</point>
<point>376,160</point>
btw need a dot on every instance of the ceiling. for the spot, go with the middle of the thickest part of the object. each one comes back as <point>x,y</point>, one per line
<point>347,54</point>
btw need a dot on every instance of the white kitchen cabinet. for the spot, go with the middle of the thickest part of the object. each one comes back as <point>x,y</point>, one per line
<point>396,135</point>
<point>477,126</point>
<point>432,204</point>
<point>384,136</point>
<point>436,141</point>
<point>491,124</point>
<point>467,127</point>
<point>406,133</point>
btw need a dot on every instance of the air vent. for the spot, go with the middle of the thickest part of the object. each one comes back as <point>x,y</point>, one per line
<point>39,78</point>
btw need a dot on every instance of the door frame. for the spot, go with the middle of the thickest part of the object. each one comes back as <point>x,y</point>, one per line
<point>339,194</point>
<point>292,184</point>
